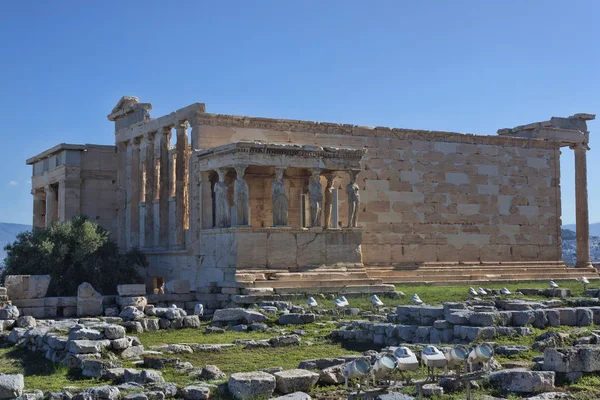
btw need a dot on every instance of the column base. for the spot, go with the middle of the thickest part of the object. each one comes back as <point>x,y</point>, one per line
<point>584,264</point>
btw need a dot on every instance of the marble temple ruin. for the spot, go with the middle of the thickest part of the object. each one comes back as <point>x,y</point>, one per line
<point>238,205</point>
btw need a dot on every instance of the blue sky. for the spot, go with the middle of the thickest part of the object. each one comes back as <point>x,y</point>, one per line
<point>466,66</point>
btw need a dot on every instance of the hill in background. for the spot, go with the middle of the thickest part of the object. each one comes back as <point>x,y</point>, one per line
<point>8,234</point>
<point>594,228</point>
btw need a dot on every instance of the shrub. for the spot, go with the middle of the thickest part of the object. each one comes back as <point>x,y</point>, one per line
<point>73,252</point>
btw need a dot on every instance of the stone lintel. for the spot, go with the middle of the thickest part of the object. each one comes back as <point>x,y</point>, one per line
<point>278,155</point>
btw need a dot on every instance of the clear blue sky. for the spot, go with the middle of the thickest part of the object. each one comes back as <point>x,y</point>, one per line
<point>467,66</point>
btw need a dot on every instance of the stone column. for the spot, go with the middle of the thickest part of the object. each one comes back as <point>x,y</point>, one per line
<point>134,202</point>
<point>165,186</point>
<point>150,194</point>
<point>223,215</point>
<point>315,190</point>
<point>335,215</point>
<point>280,201</point>
<point>39,208</point>
<point>353,200</point>
<point>241,197</point>
<point>328,204</point>
<point>122,194</point>
<point>51,205</point>
<point>181,191</point>
<point>582,223</point>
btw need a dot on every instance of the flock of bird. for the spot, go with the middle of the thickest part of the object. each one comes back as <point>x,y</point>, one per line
<point>342,301</point>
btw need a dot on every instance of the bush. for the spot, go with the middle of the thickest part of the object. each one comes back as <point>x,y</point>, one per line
<point>71,253</point>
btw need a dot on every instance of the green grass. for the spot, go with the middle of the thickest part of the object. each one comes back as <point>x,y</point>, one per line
<point>39,372</point>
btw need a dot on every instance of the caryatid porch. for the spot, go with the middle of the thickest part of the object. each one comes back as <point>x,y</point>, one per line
<point>274,206</point>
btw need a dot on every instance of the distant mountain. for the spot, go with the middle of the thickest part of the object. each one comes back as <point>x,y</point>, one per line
<point>569,247</point>
<point>594,228</point>
<point>8,234</point>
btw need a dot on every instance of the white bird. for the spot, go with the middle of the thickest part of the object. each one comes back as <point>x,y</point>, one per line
<point>505,291</point>
<point>376,301</point>
<point>584,281</point>
<point>199,309</point>
<point>416,299</point>
<point>341,302</point>
<point>173,306</point>
<point>553,285</point>
<point>481,292</point>
<point>312,302</point>
<point>472,292</point>
<point>345,300</point>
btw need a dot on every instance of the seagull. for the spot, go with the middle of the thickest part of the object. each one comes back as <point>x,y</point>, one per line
<point>376,301</point>
<point>312,302</point>
<point>504,291</point>
<point>472,292</point>
<point>345,300</point>
<point>199,309</point>
<point>584,281</point>
<point>481,292</point>
<point>341,302</point>
<point>416,299</point>
<point>553,285</point>
<point>173,306</point>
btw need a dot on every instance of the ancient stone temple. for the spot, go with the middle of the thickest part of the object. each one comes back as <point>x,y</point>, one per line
<point>238,204</point>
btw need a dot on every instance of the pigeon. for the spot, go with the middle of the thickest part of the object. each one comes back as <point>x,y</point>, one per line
<point>505,291</point>
<point>472,292</point>
<point>376,301</point>
<point>416,299</point>
<point>481,292</point>
<point>312,302</point>
<point>553,285</point>
<point>199,309</point>
<point>341,302</point>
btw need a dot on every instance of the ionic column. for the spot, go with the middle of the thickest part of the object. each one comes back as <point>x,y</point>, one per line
<point>222,210</point>
<point>150,187</point>
<point>39,208</point>
<point>241,197</point>
<point>122,194</point>
<point>181,191</point>
<point>134,202</point>
<point>329,201</point>
<point>51,205</point>
<point>165,186</point>
<point>582,223</point>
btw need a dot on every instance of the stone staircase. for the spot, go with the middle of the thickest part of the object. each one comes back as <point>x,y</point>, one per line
<point>471,273</point>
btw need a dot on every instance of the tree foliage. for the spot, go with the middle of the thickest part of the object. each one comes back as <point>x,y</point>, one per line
<point>73,252</point>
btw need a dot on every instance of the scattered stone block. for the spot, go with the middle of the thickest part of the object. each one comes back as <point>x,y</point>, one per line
<point>196,392</point>
<point>102,392</point>
<point>431,389</point>
<point>296,319</point>
<point>295,380</point>
<point>232,315</point>
<point>585,358</point>
<point>293,396</point>
<point>177,287</point>
<point>89,301</point>
<point>251,385</point>
<point>27,286</point>
<point>26,322</point>
<point>521,380</point>
<point>11,386</point>
<point>9,313</point>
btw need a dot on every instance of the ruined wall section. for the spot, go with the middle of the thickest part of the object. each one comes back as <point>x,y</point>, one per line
<point>99,186</point>
<point>432,196</point>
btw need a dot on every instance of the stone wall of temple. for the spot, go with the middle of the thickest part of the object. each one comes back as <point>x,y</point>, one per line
<point>431,196</point>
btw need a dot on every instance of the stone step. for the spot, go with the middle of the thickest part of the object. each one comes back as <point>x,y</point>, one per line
<point>341,289</point>
<point>313,283</point>
<point>467,271</point>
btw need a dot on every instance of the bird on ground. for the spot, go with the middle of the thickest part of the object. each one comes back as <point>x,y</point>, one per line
<point>199,309</point>
<point>584,281</point>
<point>341,302</point>
<point>472,292</point>
<point>312,302</point>
<point>553,285</point>
<point>376,301</point>
<point>173,306</point>
<point>481,292</point>
<point>416,299</point>
<point>504,291</point>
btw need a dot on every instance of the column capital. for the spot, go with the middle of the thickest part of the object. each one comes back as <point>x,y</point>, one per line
<point>579,146</point>
<point>240,170</point>
<point>222,172</point>
<point>181,125</point>
<point>149,136</point>
<point>279,171</point>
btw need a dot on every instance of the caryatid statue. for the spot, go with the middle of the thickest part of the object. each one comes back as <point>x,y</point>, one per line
<point>353,200</point>
<point>240,197</point>
<point>328,200</point>
<point>315,191</point>
<point>280,202</point>
<point>223,218</point>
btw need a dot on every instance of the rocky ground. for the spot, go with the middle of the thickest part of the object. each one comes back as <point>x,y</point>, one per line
<point>545,344</point>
